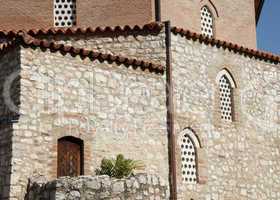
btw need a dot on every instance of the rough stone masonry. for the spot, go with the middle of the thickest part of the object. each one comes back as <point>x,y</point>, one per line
<point>141,186</point>
<point>116,108</point>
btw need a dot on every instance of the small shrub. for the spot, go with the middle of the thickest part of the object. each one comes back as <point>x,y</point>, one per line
<point>119,167</point>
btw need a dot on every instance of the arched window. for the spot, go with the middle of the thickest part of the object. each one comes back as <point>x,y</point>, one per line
<point>69,157</point>
<point>189,144</point>
<point>207,22</point>
<point>64,13</point>
<point>226,85</point>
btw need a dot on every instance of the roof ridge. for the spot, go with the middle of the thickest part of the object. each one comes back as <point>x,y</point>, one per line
<point>227,45</point>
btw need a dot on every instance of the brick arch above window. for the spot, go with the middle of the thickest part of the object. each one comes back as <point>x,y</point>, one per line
<point>191,133</point>
<point>211,6</point>
<point>227,74</point>
<point>226,85</point>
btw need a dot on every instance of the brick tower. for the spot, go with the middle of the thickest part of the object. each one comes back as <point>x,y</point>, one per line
<point>233,21</point>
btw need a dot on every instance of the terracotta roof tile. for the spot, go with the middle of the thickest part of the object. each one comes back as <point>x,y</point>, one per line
<point>227,45</point>
<point>148,27</point>
<point>28,41</point>
<point>98,30</point>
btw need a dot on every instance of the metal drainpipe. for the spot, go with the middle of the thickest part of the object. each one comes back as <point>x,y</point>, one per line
<point>170,115</point>
<point>158,10</point>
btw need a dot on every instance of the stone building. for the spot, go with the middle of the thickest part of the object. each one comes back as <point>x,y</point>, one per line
<point>188,97</point>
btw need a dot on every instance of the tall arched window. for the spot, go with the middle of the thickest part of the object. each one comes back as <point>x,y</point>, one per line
<point>226,85</point>
<point>69,157</point>
<point>64,13</point>
<point>207,22</point>
<point>189,144</point>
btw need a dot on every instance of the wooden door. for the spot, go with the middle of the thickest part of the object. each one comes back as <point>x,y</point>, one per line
<point>69,158</point>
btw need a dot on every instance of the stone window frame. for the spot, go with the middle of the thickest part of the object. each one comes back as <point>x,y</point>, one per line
<point>232,83</point>
<point>197,145</point>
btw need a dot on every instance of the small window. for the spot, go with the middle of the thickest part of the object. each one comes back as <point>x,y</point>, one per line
<point>206,22</point>
<point>226,85</point>
<point>64,13</point>
<point>189,144</point>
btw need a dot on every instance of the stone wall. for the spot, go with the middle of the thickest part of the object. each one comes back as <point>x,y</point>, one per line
<point>239,159</point>
<point>141,186</point>
<point>144,45</point>
<point>112,108</point>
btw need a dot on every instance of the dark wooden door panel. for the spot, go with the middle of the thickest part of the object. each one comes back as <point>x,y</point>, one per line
<point>69,158</point>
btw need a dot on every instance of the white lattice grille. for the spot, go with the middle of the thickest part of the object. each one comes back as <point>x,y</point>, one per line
<point>225,98</point>
<point>188,156</point>
<point>64,13</point>
<point>206,22</point>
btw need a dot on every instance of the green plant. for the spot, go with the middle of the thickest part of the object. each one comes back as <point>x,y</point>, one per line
<point>119,167</point>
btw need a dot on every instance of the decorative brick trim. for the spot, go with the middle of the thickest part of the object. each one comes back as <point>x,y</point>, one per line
<point>151,27</point>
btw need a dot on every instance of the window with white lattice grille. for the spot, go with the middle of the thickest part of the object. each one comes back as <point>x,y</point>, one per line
<point>225,98</point>
<point>188,159</point>
<point>207,22</point>
<point>64,13</point>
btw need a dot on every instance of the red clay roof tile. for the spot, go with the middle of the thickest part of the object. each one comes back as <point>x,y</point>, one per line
<point>148,27</point>
<point>28,41</point>
<point>75,30</point>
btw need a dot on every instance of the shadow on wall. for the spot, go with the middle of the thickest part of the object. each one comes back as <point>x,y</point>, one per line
<point>9,104</point>
<point>6,132</point>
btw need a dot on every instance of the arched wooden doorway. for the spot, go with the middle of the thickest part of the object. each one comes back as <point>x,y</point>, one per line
<point>69,157</point>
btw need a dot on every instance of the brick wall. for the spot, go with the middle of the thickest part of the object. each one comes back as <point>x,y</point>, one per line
<point>114,12</point>
<point>234,20</point>
<point>27,14</point>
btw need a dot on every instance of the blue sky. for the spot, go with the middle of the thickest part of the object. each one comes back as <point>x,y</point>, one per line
<point>268,29</point>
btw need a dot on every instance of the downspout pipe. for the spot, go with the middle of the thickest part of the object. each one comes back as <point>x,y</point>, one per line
<point>158,10</point>
<point>259,11</point>
<point>170,115</point>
